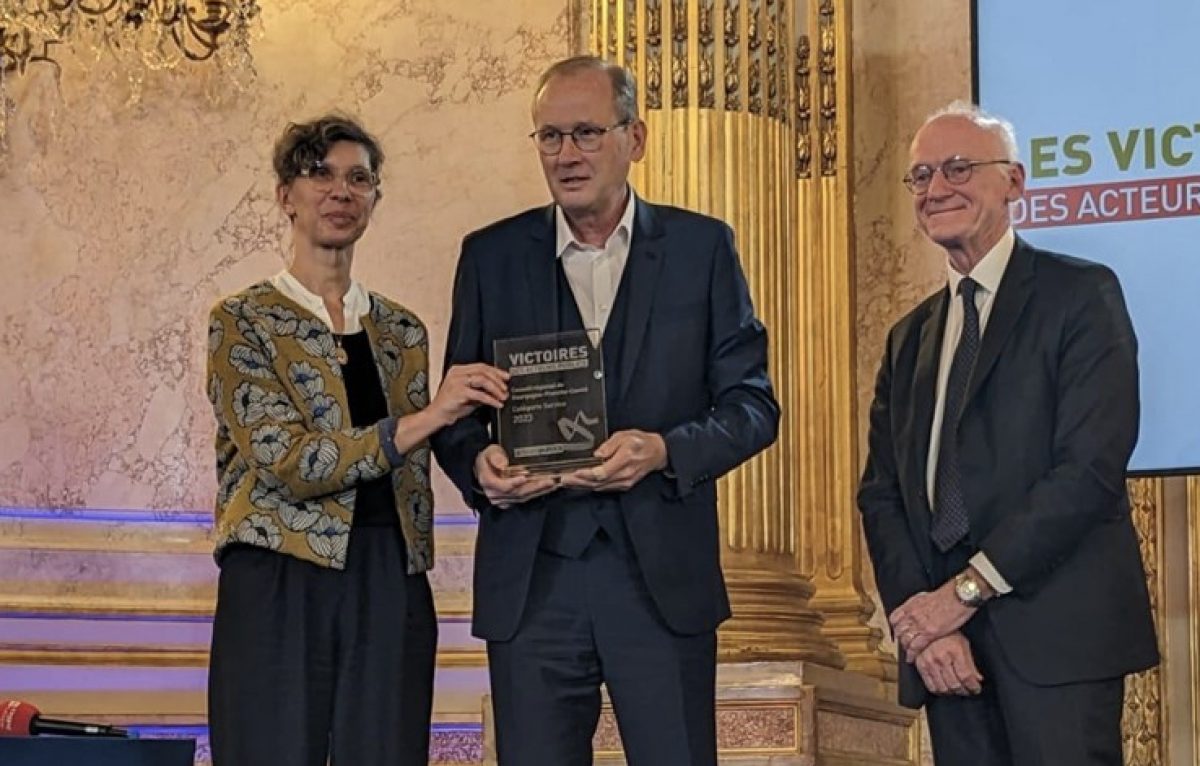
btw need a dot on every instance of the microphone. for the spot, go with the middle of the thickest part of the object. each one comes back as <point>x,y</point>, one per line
<point>21,719</point>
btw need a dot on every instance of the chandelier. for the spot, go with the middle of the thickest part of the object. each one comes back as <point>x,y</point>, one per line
<point>140,36</point>
<point>160,33</point>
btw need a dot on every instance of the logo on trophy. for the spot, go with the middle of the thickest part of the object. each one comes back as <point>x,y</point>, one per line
<point>578,426</point>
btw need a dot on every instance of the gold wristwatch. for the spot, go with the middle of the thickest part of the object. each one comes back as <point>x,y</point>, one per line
<point>967,590</point>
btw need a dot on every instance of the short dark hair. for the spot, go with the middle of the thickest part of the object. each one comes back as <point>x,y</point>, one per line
<point>304,143</point>
<point>624,87</point>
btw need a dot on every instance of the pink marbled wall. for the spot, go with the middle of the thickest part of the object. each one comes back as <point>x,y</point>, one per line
<point>121,224</point>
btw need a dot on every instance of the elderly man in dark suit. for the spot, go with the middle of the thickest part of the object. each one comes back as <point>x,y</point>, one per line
<point>994,501</point>
<point>609,574</point>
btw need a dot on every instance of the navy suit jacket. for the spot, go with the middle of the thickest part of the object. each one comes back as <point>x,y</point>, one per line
<point>1049,422</point>
<point>693,369</point>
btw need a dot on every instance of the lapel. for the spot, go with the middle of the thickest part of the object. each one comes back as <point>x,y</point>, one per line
<point>1011,298</point>
<point>541,274</point>
<point>924,394</point>
<point>646,256</point>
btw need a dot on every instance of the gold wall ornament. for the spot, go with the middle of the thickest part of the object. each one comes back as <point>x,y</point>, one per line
<point>631,37</point>
<point>732,38</point>
<point>827,74</point>
<point>754,57</point>
<point>803,109</point>
<point>653,85</point>
<point>773,62</point>
<point>706,38</point>
<point>679,53</point>
<point>612,30</point>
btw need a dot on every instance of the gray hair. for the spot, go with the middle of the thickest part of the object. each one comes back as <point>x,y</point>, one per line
<point>624,87</point>
<point>994,124</point>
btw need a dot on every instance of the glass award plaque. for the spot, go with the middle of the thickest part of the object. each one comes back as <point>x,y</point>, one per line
<point>555,416</point>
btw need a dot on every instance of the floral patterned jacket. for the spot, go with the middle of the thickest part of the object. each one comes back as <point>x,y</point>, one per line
<point>288,460</point>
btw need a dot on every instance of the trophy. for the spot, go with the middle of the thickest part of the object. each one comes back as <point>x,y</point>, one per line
<point>555,416</point>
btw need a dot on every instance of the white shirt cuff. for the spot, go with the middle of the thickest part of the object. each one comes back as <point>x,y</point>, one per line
<point>984,567</point>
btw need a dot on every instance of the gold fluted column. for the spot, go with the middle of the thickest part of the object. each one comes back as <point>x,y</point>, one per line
<point>732,124</point>
<point>831,554</point>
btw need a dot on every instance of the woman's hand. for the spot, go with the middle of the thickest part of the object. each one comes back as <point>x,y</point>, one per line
<point>467,386</point>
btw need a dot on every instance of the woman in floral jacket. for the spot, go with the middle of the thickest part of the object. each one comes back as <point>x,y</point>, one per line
<point>325,632</point>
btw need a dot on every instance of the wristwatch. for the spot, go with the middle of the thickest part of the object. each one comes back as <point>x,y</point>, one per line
<point>967,590</point>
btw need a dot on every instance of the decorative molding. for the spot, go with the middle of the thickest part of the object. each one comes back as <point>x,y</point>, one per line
<point>754,55</point>
<point>631,37</point>
<point>732,38</point>
<point>803,89</point>
<point>1144,719</point>
<point>706,38</point>
<point>578,23</point>
<point>771,620</point>
<point>162,656</point>
<point>744,728</point>
<point>783,70</point>
<point>188,602</point>
<point>653,86</point>
<point>679,54</point>
<point>747,44</point>
<point>827,78</point>
<point>774,107</point>
<point>611,46</point>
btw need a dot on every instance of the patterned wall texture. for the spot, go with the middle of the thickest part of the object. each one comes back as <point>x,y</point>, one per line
<point>121,223</point>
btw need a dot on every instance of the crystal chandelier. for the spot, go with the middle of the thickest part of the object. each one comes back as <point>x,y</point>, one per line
<point>162,33</point>
<point>140,35</point>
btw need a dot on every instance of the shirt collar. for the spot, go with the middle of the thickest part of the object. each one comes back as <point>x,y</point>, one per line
<point>990,270</point>
<point>565,238</point>
<point>356,302</point>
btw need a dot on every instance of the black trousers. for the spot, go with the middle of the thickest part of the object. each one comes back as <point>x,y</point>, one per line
<point>311,664</point>
<point>590,620</point>
<point>1017,723</point>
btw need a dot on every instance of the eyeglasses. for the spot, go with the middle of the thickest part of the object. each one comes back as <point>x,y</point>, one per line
<point>587,138</point>
<point>358,179</point>
<point>956,171</point>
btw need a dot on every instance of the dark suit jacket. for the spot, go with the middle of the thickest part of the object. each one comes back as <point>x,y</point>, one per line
<point>693,369</point>
<point>1049,423</point>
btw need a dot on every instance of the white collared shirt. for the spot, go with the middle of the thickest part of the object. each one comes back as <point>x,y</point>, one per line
<point>987,273</point>
<point>594,273</point>
<point>355,303</point>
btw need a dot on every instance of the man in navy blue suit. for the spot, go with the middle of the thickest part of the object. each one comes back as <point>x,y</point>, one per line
<point>609,574</point>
